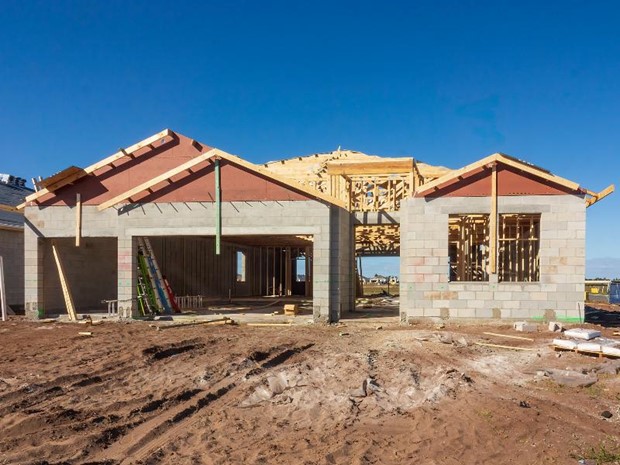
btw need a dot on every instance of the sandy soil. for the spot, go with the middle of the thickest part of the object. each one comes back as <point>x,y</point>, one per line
<point>349,394</point>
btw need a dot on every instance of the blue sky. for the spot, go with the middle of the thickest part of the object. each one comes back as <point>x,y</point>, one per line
<point>447,82</point>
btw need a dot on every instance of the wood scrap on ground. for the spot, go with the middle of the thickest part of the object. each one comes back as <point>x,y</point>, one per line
<point>219,321</point>
<point>499,346</point>
<point>509,336</point>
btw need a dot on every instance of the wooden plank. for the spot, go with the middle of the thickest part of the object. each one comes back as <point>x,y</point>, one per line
<point>9,208</point>
<point>269,324</point>
<point>96,166</point>
<point>65,286</point>
<point>219,321</point>
<point>54,179</point>
<point>157,179</point>
<point>601,195</point>
<point>78,219</point>
<point>384,166</point>
<point>499,346</point>
<point>510,336</point>
<point>493,221</point>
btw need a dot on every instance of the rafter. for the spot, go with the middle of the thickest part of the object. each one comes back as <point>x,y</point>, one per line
<point>72,174</point>
<point>487,162</point>
<point>600,196</point>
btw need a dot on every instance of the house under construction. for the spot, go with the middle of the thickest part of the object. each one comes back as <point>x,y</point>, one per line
<point>499,238</point>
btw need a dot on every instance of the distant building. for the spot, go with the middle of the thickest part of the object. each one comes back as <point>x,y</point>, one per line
<point>12,193</point>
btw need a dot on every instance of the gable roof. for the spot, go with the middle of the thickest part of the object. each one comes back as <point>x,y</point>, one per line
<point>149,149</point>
<point>535,171</point>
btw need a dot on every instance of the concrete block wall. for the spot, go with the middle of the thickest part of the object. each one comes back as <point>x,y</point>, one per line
<point>329,225</point>
<point>426,291</point>
<point>90,271</point>
<point>12,252</point>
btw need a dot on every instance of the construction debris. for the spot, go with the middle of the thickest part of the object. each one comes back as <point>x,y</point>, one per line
<point>499,346</point>
<point>290,309</point>
<point>509,336</point>
<point>219,321</point>
<point>525,327</point>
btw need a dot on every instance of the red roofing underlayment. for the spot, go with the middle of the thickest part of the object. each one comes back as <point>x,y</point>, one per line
<point>237,183</point>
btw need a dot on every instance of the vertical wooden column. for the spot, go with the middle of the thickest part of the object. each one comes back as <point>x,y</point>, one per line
<point>493,222</point>
<point>78,219</point>
<point>288,272</point>
<point>218,208</point>
<point>3,303</point>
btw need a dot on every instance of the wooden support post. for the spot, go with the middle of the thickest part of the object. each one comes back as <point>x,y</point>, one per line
<point>288,272</point>
<point>78,219</point>
<point>2,291</point>
<point>218,208</point>
<point>493,222</point>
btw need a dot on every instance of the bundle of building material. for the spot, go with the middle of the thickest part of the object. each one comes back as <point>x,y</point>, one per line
<point>589,342</point>
<point>582,333</point>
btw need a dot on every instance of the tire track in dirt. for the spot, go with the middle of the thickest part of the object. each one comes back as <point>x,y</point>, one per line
<point>154,433</point>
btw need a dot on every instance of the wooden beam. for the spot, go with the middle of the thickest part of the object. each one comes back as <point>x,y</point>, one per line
<point>454,175</point>
<point>9,208</point>
<point>601,195</point>
<point>493,222</point>
<point>92,168</point>
<point>78,219</point>
<point>386,166</point>
<point>157,179</point>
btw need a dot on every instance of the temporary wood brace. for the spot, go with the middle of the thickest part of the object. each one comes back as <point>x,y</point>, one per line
<point>65,286</point>
<point>600,196</point>
<point>497,158</point>
<point>71,176</point>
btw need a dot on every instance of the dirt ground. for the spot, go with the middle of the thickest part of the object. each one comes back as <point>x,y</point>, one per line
<point>351,394</point>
